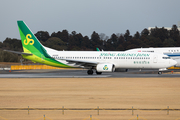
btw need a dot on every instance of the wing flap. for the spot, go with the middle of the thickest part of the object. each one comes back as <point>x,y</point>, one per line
<point>81,62</point>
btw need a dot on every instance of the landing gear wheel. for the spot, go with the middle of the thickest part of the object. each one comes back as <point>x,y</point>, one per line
<point>90,72</point>
<point>98,73</point>
<point>160,72</point>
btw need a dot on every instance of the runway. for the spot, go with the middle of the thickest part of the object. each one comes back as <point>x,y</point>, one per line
<point>83,74</point>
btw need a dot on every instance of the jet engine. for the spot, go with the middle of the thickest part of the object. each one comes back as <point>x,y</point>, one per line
<point>105,67</point>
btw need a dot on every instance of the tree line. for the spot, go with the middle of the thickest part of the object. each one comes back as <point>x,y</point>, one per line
<point>63,40</point>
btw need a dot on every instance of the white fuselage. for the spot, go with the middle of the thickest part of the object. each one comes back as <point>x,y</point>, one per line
<point>119,59</point>
<point>173,52</point>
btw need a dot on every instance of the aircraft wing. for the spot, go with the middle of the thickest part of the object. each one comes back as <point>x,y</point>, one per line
<point>17,52</point>
<point>81,62</point>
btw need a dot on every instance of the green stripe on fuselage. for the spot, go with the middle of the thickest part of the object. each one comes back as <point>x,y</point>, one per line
<point>44,60</point>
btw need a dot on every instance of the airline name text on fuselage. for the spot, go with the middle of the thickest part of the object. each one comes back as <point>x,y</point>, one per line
<point>125,54</point>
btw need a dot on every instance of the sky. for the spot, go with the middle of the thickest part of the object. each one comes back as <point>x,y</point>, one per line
<point>86,16</point>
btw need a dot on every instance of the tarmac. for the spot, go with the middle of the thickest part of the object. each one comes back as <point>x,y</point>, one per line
<point>83,74</point>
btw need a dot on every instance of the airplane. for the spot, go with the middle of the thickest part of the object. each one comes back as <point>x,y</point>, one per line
<point>101,61</point>
<point>172,52</point>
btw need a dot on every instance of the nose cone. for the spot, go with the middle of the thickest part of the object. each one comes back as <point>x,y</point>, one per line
<point>173,62</point>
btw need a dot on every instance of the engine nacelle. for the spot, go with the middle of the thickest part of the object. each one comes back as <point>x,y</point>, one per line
<point>105,67</point>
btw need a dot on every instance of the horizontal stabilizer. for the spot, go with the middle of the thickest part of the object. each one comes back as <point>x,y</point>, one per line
<point>21,53</point>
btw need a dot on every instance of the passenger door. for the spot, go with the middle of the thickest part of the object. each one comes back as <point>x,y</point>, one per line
<point>155,58</point>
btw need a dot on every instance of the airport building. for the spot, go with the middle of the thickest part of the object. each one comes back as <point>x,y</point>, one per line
<point>168,28</point>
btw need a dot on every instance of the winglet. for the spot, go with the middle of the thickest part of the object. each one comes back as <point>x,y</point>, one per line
<point>97,49</point>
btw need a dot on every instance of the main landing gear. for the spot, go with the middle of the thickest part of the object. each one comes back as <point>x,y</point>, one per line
<point>90,72</point>
<point>160,72</point>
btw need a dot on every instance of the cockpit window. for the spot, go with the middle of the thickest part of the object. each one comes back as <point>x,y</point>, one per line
<point>166,57</point>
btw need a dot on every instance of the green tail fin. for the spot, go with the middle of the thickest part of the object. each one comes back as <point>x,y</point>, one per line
<point>29,41</point>
<point>32,46</point>
<point>97,49</point>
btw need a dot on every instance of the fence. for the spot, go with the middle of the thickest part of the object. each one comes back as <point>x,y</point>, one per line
<point>174,68</point>
<point>28,67</point>
<point>97,109</point>
<point>24,67</point>
<point>131,112</point>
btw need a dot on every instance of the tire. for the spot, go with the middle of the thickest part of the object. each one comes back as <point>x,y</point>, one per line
<point>98,73</point>
<point>160,72</point>
<point>90,72</point>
